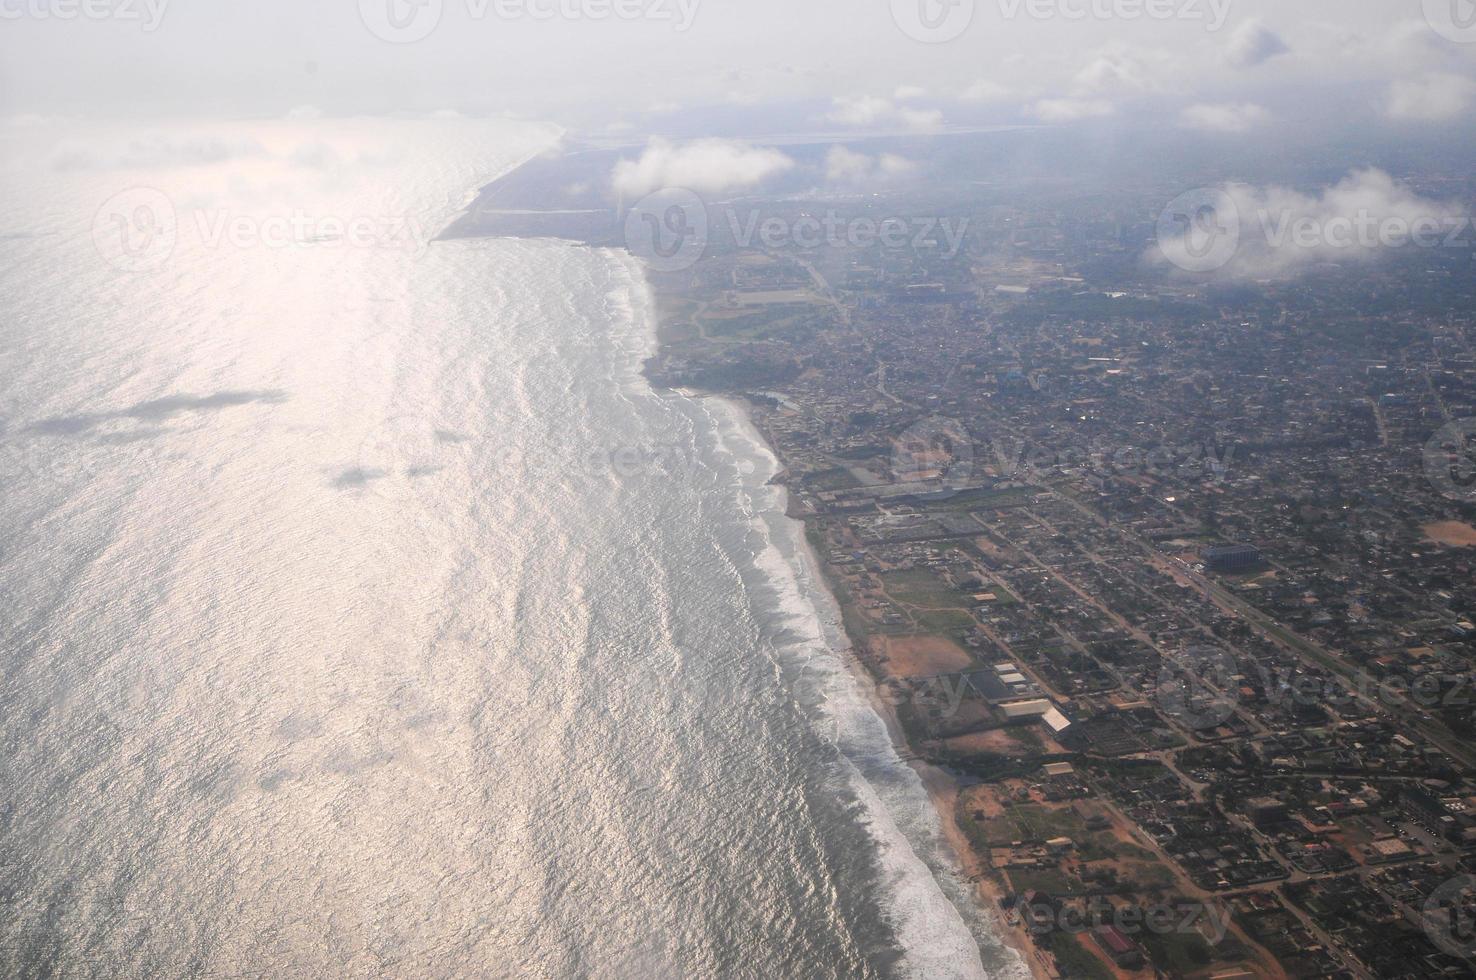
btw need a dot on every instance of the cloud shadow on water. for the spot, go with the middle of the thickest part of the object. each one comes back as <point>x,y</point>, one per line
<point>156,410</point>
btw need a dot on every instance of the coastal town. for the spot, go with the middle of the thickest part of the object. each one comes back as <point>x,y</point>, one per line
<point>1171,576</point>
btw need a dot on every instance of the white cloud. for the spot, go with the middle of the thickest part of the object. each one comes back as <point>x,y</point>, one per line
<point>892,165</point>
<point>1254,44</point>
<point>1431,98</point>
<point>869,112</point>
<point>154,151</point>
<point>1072,110</point>
<point>704,167</point>
<point>1224,117</point>
<point>1283,232</point>
<point>985,91</point>
<point>844,166</point>
<point>909,93</point>
<point>922,120</point>
<point>1115,71</point>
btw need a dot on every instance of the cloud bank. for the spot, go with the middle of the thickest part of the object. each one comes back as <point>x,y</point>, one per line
<point>705,167</point>
<point>1242,232</point>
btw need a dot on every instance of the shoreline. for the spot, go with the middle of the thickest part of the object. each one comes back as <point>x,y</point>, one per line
<point>984,887</point>
<point>942,785</point>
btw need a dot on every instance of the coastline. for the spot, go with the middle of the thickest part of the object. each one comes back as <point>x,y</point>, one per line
<point>985,889</point>
<point>963,870</point>
<point>943,788</point>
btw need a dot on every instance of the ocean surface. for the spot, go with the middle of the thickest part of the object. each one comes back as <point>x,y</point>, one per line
<point>364,612</point>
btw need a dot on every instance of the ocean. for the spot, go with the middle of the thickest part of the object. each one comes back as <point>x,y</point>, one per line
<point>367,613</point>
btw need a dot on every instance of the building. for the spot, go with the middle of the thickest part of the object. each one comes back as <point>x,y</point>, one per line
<point>1122,950</point>
<point>1231,557</point>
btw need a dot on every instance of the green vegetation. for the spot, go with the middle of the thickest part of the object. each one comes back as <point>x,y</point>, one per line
<point>1182,952</point>
<point>838,478</point>
<point>1072,959</point>
<point>1048,881</point>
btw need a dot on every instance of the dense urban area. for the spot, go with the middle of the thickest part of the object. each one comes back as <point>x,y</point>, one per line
<point>1172,573</point>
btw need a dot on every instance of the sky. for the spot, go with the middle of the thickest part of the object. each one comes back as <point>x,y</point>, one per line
<point>1227,67</point>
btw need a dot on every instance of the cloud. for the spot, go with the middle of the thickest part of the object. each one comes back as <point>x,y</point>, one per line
<point>1275,232</point>
<point>985,91</point>
<point>1224,117</point>
<point>710,166</point>
<point>1254,44</point>
<point>869,112</point>
<point>1115,70</point>
<point>153,152</point>
<point>909,93</point>
<point>1431,98</point>
<point>1072,110</point>
<point>304,113</point>
<point>843,166</point>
